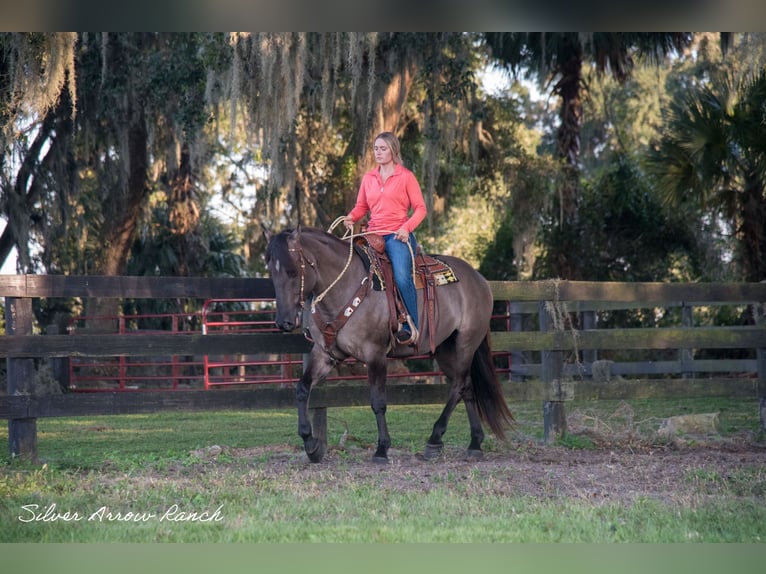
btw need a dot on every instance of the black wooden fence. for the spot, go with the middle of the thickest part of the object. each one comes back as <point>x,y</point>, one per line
<point>553,381</point>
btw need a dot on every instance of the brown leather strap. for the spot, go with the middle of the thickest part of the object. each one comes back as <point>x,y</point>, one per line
<point>330,330</point>
<point>429,299</point>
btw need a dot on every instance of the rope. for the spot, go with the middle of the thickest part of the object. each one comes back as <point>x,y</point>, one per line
<point>350,237</point>
<point>319,297</point>
<point>559,313</point>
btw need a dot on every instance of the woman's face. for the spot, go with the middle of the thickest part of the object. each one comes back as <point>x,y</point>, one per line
<point>382,152</point>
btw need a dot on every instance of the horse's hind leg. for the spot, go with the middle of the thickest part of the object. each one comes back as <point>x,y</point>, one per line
<point>435,446</point>
<point>318,365</point>
<point>463,391</point>
<point>456,366</point>
<point>474,422</point>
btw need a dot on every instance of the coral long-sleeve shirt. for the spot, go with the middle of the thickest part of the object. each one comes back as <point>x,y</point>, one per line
<point>389,204</point>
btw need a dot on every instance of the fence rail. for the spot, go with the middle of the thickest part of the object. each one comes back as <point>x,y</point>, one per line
<point>23,405</point>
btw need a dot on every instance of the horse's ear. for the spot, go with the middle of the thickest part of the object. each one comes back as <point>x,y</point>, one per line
<point>267,234</point>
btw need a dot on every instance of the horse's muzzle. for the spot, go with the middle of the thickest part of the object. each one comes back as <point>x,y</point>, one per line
<point>289,324</point>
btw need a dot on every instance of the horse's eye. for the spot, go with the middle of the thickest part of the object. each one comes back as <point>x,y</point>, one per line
<point>292,273</point>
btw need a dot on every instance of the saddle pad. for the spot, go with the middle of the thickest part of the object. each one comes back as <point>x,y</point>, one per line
<point>442,273</point>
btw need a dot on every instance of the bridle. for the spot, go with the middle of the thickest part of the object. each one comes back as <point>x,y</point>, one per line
<point>330,330</point>
<point>302,259</point>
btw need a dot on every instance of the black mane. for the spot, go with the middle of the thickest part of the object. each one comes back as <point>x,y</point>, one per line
<point>278,249</point>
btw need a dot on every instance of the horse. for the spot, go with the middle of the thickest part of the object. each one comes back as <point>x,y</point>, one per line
<point>310,265</point>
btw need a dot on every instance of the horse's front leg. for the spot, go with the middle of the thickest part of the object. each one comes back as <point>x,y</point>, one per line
<point>376,376</point>
<point>317,366</point>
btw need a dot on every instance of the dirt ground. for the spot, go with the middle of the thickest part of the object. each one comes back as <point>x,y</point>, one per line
<point>680,471</point>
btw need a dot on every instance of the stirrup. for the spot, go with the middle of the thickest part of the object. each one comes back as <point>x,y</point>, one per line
<point>414,334</point>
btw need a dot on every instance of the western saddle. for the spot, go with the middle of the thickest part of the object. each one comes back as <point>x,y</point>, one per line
<point>430,273</point>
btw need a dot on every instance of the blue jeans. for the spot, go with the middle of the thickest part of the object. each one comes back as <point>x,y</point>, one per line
<point>401,261</point>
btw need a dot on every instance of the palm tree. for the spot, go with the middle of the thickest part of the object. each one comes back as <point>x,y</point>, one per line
<point>559,57</point>
<point>713,156</point>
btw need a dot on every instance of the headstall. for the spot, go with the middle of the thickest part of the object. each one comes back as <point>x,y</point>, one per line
<point>303,259</point>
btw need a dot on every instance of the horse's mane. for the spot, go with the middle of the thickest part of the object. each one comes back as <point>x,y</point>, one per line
<point>324,237</point>
<point>278,249</point>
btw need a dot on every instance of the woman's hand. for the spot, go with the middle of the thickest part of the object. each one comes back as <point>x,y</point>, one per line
<point>403,235</point>
<point>349,223</point>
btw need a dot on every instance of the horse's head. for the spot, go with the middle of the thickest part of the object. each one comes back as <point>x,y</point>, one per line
<point>290,271</point>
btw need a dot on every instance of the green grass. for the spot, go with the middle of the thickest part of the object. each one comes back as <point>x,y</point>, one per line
<point>254,508</point>
<point>145,464</point>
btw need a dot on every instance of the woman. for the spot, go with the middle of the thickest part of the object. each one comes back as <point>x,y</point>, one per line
<point>388,193</point>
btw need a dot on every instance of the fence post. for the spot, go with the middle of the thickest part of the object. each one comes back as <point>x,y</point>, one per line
<point>685,355</point>
<point>59,365</point>
<point>516,325</point>
<point>22,433</point>
<point>589,356</point>
<point>552,365</point>
<point>759,310</point>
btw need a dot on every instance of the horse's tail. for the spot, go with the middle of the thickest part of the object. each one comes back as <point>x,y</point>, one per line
<point>488,392</point>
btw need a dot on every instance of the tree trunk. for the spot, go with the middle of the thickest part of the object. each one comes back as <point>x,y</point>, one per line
<point>20,198</point>
<point>752,229</point>
<point>184,212</point>
<point>568,135</point>
<point>568,151</point>
<point>118,239</point>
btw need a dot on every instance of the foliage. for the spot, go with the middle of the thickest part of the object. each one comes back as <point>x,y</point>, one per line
<point>34,70</point>
<point>712,156</point>
<point>209,250</point>
<point>624,233</point>
<point>559,58</point>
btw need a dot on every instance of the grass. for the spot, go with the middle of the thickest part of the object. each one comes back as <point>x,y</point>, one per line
<point>152,474</point>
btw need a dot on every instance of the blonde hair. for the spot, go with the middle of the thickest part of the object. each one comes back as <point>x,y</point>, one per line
<point>393,145</point>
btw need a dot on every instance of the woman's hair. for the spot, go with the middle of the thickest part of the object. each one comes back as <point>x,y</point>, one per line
<point>393,144</point>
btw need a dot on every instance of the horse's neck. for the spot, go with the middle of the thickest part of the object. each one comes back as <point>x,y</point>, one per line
<point>337,278</point>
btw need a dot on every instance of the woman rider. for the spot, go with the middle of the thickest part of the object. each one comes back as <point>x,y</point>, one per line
<point>390,193</point>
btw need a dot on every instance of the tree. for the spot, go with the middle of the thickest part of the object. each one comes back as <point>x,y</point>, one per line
<point>559,57</point>
<point>37,104</point>
<point>139,127</point>
<point>631,235</point>
<point>712,156</point>
<point>78,182</point>
<point>315,100</point>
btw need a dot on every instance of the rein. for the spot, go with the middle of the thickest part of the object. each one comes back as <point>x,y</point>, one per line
<point>330,330</point>
<point>350,237</point>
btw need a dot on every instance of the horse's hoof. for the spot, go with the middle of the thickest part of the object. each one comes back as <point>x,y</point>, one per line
<point>433,451</point>
<point>381,455</point>
<point>317,453</point>
<point>474,454</point>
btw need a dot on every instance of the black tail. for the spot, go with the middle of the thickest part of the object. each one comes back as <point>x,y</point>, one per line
<point>488,392</point>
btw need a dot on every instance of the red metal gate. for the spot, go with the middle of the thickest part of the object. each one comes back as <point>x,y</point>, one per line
<point>209,371</point>
<point>245,316</point>
<point>93,374</point>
